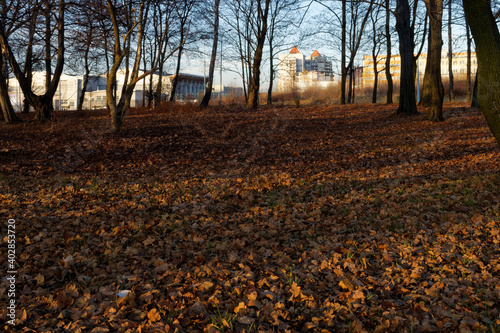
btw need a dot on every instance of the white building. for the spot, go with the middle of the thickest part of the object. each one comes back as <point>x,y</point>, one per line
<point>70,86</point>
<point>298,72</point>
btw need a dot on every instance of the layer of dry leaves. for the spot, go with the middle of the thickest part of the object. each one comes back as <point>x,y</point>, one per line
<point>319,219</point>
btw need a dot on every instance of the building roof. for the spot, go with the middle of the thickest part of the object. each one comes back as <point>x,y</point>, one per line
<point>295,50</point>
<point>315,54</point>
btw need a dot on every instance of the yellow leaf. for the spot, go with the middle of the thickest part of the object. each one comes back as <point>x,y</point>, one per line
<point>240,307</point>
<point>153,315</point>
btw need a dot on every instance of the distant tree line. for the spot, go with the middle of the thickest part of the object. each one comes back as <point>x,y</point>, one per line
<point>105,36</point>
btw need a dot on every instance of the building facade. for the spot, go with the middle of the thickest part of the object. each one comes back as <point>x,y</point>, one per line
<point>70,89</point>
<point>298,72</point>
<point>459,65</point>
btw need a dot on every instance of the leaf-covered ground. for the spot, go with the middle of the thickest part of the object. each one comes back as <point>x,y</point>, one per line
<point>318,219</point>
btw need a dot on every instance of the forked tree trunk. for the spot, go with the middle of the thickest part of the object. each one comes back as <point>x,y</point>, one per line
<point>435,13</point>
<point>253,93</point>
<point>407,101</point>
<point>487,38</point>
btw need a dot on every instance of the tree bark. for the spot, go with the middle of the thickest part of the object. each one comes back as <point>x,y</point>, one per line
<point>435,13</point>
<point>487,37</point>
<point>388,75</point>
<point>407,102</point>
<point>211,69</point>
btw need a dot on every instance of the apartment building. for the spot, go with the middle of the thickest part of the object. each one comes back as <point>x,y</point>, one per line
<point>459,65</point>
<point>296,71</point>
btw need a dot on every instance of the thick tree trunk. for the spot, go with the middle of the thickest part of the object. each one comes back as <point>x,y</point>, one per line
<point>253,93</point>
<point>435,12</point>
<point>487,38</point>
<point>211,69</point>
<point>388,75</point>
<point>407,102</point>
<point>7,113</point>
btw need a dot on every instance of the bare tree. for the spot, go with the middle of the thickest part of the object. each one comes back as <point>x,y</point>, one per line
<point>208,92</point>
<point>377,39</point>
<point>183,9</point>
<point>282,18</point>
<point>388,75</point>
<point>43,104</point>
<point>136,17</point>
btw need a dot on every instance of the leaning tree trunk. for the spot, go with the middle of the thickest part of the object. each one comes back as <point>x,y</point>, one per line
<point>469,63</point>
<point>435,13</point>
<point>487,37</point>
<point>176,79</point>
<point>407,101</point>
<point>426,97</point>
<point>211,69</point>
<point>8,114</point>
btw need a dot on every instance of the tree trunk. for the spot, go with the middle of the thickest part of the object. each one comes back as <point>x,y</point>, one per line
<point>375,79</point>
<point>271,77</point>
<point>343,78</point>
<point>211,69</point>
<point>426,97</point>
<point>253,93</point>
<point>86,78</point>
<point>435,13</point>
<point>7,113</point>
<point>469,63</point>
<point>175,81</point>
<point>451,93</point>
<point>407,102</point>
<point>388,75</point>
<point>487,38</point>
<point>475,101</point>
